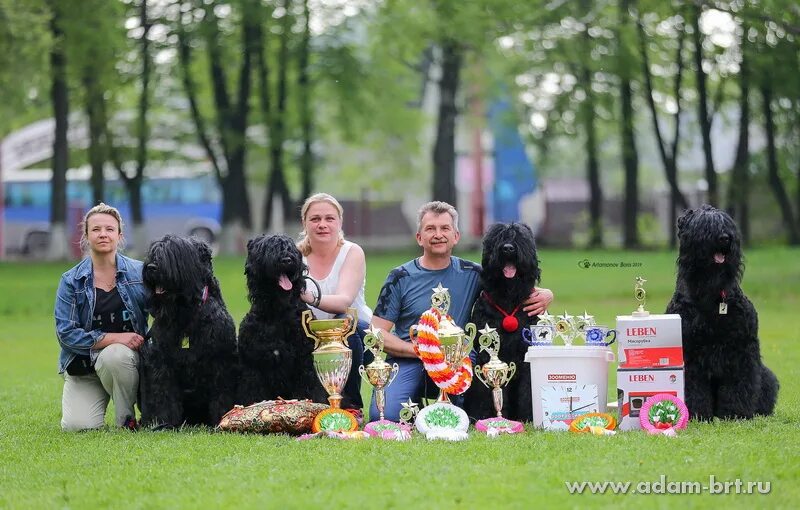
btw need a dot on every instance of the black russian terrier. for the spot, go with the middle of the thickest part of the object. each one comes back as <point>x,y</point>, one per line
<point>510,271</point>
<point>275,353</point>
<point>725,376</point>
<point>188,365</point>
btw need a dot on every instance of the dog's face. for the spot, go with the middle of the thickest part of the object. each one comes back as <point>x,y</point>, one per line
<point>509,254</point>
<point>176,268</point>
<point>710,243</point>
<point>274,265</point>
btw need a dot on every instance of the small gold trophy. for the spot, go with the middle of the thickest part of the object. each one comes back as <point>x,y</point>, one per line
<point>380,374</point>
<point>332,362</point>
<point>640,294</point>
<point>495,374</point>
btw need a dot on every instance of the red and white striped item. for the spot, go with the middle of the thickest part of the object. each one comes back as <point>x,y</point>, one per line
<point>429,350</point>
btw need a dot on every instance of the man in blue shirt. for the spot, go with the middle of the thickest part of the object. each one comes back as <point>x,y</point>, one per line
<point>407,291</point>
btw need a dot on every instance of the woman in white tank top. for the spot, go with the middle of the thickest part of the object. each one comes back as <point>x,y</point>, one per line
<point>339,268</point>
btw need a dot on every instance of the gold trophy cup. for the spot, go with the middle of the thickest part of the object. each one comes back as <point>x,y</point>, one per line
<point>455,342</point>
<point>443,420</point>
<point>496,373</point>
<point>332,362</point>
<point>379,373</point>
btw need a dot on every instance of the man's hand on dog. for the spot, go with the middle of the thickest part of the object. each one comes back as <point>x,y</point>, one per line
<point>538,301</point>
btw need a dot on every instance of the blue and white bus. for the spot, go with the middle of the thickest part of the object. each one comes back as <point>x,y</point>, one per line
<point>173,201</point>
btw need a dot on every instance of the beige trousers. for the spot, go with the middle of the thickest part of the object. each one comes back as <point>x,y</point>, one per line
<point>85,397</point>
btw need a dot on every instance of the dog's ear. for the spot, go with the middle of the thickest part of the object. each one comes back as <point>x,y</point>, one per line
<point>203,249</point>
<point>528,228</point>
<point>684,218</point>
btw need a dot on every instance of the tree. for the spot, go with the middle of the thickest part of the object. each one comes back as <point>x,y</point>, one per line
<point>775,181</point>
<point>739,183</point>
<point>630,157</point>
<point>60,100</point>
<point>25,39</point>
<point>703,114</point>
<point>588,114</point>
<point>275,118</point>
<point>304,101</point>
<point>230,113</point>
<point>133,183</point>
<point>667,151</point>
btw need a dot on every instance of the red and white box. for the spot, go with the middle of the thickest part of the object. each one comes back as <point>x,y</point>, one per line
<point>635,385</point>
<point>651,341</point>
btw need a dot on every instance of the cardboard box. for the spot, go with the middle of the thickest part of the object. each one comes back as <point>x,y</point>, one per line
<point>653,341</point>
<point>634,385</point>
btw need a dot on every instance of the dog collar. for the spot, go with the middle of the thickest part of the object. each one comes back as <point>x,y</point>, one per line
<point>205,295</point>
<point>510,323</point>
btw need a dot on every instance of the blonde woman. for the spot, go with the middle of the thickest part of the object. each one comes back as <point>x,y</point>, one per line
<point>100,324</point>
<point>339,268</point>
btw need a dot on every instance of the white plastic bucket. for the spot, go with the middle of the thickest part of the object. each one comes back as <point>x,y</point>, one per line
<point>567,381</point>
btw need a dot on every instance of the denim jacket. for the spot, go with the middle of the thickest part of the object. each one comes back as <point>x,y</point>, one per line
<point>75,301</point>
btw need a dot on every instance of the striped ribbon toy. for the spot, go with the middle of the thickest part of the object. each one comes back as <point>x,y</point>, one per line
<point>428,348</point>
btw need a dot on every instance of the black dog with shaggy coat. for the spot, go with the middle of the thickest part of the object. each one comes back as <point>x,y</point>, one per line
<point>188,364</point>
<point>510,271</point>
<point>725,376</point>
<point>275,354</point>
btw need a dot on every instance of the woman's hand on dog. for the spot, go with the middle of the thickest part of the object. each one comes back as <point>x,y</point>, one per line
<point>538,301</point>
<point>132,341</point>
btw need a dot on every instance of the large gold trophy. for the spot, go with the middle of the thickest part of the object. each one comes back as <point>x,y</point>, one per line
<point>447,347</point>
<point>332,362</point>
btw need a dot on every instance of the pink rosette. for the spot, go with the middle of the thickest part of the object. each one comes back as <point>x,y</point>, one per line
<point>663,414</point>
<point>499,425</point>
<point>387,429</point>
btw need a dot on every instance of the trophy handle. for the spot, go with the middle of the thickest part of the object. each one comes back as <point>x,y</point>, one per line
<point>305,318</point>
<point>480,376</point>
<point>527,336</point>
<point>471,330</point>
<point>512,369</point>
<point>351,314</point>
<point>395,371</point>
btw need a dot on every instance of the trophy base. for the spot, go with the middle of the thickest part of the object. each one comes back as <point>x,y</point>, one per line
<point>386,429</point>
<point>499,425</point>
<point>443,421</point>
<point>334,420</point>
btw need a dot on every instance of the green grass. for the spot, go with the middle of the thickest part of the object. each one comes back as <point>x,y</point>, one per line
<point>41,467</point>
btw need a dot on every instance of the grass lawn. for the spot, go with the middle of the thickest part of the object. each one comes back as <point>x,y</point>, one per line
<point>41,467</point>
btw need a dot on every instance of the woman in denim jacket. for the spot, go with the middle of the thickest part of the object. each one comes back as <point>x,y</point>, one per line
<point>100,323</point>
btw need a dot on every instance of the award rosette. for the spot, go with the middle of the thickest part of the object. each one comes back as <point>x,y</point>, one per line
<point>380,374</point>
<point>494,375</point>
<point>332,362</point>
<point>599,424</point>
<point>444,350</point>
<point>663,414</point>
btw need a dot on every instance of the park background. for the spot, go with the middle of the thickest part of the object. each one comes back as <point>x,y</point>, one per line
<point>597,122</point>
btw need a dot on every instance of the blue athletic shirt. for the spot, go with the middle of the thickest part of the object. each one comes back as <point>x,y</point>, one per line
<point>406,293</point>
